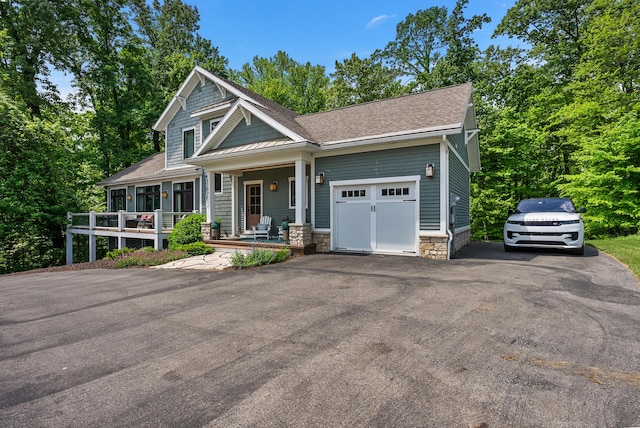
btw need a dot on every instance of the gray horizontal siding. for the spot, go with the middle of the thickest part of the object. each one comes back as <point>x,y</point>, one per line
<point>200,97</point>
<point>457,141</point>
<point>222,206</point>
<point>459,184</point>
<point>247,134</point>
<point>380,164</point>
<point>274,204</point>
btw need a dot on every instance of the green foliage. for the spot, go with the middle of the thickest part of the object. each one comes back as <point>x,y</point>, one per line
<point>187,231</point>
<point>34,190</point>
<point>433,48</point>
<point>299,87</point>
<point>145,258</point>
<point>258,257</point>
<point>116,253</point>
<point>358,80</point>
<point>625,249</point>
<point>195,248</point>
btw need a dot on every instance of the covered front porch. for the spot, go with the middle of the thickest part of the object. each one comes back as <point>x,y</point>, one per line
<point>278,185</point>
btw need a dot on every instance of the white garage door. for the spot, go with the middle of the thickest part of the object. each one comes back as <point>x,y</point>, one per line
<point>379,217</point>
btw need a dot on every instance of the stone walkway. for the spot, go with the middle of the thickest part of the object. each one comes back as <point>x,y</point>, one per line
<point>219,260</point>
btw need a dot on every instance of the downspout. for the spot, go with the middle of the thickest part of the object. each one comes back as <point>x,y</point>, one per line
<point>445,176</point>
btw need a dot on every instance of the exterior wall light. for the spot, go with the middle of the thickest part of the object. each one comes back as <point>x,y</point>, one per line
<point>165,194</point>
<point>129,197</point>
<point>320,178</point>
<point>430,170</point>
<point>273,186</point>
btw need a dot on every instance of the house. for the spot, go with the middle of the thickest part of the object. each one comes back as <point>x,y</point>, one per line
<point>389,176</point>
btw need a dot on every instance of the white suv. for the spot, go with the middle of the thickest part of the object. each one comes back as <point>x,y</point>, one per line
<point>545,223</point>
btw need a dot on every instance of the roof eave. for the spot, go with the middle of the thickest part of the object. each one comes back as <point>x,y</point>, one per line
<point>396,136</point>
<point>298,145</point>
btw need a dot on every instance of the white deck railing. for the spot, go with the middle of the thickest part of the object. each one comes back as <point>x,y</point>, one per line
<point>123,225</point>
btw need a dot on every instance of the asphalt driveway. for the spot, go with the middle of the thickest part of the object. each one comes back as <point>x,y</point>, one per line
<point>487,339</point>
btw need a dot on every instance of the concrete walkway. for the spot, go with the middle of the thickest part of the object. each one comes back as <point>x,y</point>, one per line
<point>219,260</point>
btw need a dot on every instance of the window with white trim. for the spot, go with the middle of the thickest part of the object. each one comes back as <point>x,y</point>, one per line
<point>292,192</point>
<point>188,142</point>
<point>217,183</point>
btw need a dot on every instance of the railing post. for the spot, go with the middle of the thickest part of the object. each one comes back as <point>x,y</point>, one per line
<point>92,219</point>
<point>69,237</point>
<point>69,219</point>
<point>157,219</point>
<point>121,220</point>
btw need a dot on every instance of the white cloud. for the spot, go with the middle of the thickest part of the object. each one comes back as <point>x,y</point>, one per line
<point>377,20</point>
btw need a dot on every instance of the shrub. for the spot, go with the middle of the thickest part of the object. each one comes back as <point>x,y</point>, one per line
<point>186,231</point>
<point>195,248</point>
<point>145,258</point>
<point>114,254</point>
<point>259,257</point>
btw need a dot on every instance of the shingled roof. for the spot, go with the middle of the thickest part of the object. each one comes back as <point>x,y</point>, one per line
<point>149,168</point>
<point>435,110</point>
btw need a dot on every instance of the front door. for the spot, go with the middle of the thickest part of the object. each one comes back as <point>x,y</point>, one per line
<point>253,194</point>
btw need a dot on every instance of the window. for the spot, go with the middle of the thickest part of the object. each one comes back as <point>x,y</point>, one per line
<point>183,197</point>
<point>218,183</point>
<point>362,193</point>
<point>147,198</point>
<point>292,192</point>
<point>188,143</point>
<point>118,200</point>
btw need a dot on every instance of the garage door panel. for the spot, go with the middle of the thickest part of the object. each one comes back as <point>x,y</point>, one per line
<point>353,227</point>
<point>396,226</point>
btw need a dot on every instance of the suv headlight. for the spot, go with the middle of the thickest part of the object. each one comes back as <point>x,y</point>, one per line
<point>521,223</point>
<point>569,221</point>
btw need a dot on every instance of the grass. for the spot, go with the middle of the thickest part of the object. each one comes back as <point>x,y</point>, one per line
<point>626,249</point>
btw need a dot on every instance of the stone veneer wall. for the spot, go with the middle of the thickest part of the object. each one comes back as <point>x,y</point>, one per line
<point>322,241</point>
<point>300,235</point>
<point>462,239</point>
<point>433,247</point>
<point>205,229</point>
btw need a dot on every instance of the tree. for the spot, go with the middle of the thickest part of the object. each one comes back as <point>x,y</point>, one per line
<point>37,33</point>
<point>604,120</point>
<point>553,28</point>
<point>362,80</point>
<point>299,87</point>
<point>434,49</point>
<point>35,190</point>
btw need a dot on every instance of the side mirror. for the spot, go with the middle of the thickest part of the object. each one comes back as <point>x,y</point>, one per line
<point>582,210</point>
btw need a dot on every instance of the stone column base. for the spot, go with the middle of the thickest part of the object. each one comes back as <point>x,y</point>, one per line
<point>205,229</point>
<point>300,235</point>
<point>434,247</point>
<point>322,241</point>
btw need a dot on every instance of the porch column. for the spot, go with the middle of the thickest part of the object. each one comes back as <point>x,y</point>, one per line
<point>210,197</point>
<point>301,193</point>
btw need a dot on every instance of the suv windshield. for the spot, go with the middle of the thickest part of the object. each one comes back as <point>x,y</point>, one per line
<point>546,205</point>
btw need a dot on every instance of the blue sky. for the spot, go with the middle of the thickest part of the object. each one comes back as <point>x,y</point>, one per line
<point>320,32</point>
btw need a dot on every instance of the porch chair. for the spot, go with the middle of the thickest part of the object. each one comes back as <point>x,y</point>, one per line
<point>263,228</point>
